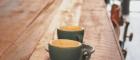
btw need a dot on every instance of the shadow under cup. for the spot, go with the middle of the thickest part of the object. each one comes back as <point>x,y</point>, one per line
<point>65,50</point>
<point>71,32</point>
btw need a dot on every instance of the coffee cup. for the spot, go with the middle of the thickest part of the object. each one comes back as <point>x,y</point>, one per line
<point>71,32</point>
<point>65,49</point>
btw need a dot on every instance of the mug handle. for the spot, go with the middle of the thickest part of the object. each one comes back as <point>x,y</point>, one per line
<point>87,51</point>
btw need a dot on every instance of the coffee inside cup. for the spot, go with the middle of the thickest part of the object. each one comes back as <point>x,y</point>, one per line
<point>71,28</point>
<point>65,43</point>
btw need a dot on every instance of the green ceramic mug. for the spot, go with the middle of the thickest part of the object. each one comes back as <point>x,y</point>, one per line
<point>71,32</point>
<point>64,49</point>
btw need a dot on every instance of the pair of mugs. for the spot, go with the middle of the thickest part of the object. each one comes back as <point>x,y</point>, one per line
<point>69,45</point>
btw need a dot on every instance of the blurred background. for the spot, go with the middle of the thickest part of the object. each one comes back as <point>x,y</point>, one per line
<point>133,47</point>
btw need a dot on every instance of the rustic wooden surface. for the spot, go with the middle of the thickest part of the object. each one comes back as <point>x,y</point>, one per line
<point>99,33</point>
<point>22,24</point>
<point>58,20</point>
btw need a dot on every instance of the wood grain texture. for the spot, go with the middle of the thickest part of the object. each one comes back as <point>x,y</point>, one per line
<point>21,27</point>
<point>23,23</point>
<point>58,20</point>
<point>99,33</point>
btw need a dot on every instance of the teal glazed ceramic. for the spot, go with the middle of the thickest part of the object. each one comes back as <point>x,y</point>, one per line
<point>60,53</point>
<point>72,35</point>
<point>81,52</point>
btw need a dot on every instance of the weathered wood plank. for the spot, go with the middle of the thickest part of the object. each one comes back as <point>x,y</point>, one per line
<point>100,32</point>
<point>21,27</point>
<point>71,6</point>
<point>15,16</point>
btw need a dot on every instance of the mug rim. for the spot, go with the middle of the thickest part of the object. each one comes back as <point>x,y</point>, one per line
<point>79,43</point>
<point>82,28</point>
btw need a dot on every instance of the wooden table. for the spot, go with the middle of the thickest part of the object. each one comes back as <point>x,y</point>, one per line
<point>26,26</point>
<point>99,33</point>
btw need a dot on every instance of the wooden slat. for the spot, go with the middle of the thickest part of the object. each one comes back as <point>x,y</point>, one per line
<point>20,30</point>
<point>99,31</point>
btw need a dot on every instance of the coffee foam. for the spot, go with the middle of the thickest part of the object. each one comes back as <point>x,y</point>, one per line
<point>71,28</point>
<point>65,43</point>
